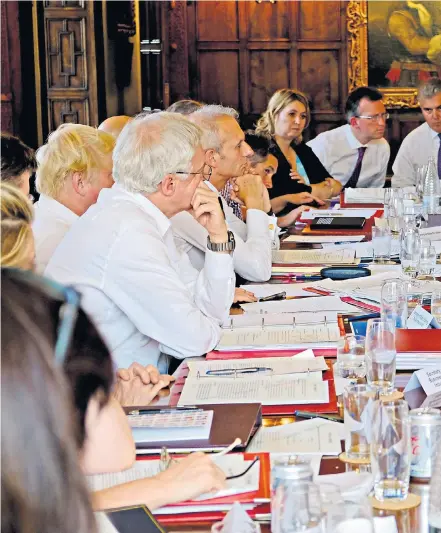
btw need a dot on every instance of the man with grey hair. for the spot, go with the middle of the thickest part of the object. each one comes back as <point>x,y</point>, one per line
<point>226,155</point>
<point>424,141</point>
<point>357,154</point>
<point>144,296</point>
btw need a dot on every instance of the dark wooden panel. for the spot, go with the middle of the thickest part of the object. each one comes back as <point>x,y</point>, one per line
<point>218,78</point>
<point>267,21</point>
<point>268,72</point>
<point>66,51</point>
<point>217,21</point>
<point>319,79</point>
<point>72,111</point>
<point>319,20</point>
<point>63,3</point>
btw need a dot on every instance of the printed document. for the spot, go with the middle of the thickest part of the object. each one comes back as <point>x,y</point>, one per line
<point>318,239</point>
<point>306,305</point>
<point>267,390</point>
<point>312,257</point>
<point>311,214</point>
<point>248,320</point>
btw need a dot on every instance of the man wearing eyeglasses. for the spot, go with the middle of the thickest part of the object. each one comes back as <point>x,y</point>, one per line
<point>424,141</point>
<point>357,153</point>
<point>226,157</point>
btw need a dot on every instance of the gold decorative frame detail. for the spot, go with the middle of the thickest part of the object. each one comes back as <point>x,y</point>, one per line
<point>356,15</point>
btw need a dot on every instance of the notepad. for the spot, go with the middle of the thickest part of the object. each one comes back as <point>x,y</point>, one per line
<point>307,305</point>
<point>248,320</point>
<point>312,257</point>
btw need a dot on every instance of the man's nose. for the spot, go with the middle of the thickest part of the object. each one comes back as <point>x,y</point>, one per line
<point>247,151</point>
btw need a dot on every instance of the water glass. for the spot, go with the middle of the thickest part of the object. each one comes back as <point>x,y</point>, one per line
<point>420,174</point>
<point>414,296</point>
<point>394,302</point>
<point>391,450</point>
<point>358,402</point>
<point>381,355</point>
<point>395,213</point>
<point>350,517</point>
<point>435,307</point>
<point>381,243</point>
<point>410,252</point>
<point>427,264</point>
<point>330,496</point>
<point>350,357</point>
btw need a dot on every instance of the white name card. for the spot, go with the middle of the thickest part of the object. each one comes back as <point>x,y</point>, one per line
<point>419,319</point>
<point>427,382</point>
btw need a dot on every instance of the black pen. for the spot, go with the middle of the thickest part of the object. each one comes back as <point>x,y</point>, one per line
<point>307,415</point>
<point>273,297</point>
<point>137,412</point>
<point>363,317</point>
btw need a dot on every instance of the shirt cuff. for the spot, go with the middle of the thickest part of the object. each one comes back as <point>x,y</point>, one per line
<point>218,265</point>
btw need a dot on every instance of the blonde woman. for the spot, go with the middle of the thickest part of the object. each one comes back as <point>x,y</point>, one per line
<point>300,177</point>
<point>73,167</point>
<point>18,248</point>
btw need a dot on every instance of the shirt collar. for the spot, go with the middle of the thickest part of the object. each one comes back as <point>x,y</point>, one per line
<point>48,204</point>
<point>211,186</point>
<point>433,133</point>
<point>354,142</point>
<point>144,203</point>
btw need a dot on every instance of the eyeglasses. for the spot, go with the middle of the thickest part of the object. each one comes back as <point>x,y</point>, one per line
<point>430,110</point>
<point>375,118</point>
<point>68,313</point>
<point>205,171</point>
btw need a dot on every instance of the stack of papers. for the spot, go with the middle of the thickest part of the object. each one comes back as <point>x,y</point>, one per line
<point>315,257</point>
<point>319,239</point>
<point>311,214</point>
<point>364,196</point>
<point>323,304</point>
<point>248,320</point>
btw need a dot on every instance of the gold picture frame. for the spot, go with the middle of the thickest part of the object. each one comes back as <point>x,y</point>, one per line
<point>357,26</point>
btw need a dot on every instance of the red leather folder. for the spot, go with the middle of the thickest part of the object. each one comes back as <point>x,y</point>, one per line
<point>216,355</point>
<point>366,230</point>
<point>418,341</point>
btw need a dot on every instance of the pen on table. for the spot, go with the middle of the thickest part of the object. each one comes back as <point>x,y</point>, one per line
<point>306,415</point>
<point>273,297</point>
<point>191,408</point>
<point>363,317</point>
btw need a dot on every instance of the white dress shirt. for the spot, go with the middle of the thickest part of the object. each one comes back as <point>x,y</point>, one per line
<point>415,150</point>
<point>143,295</point>
<point>338,151</point>
<point>51,223</point>
<point>254,240</point>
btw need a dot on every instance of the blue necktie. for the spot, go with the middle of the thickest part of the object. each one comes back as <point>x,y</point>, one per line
<point>352,183</point>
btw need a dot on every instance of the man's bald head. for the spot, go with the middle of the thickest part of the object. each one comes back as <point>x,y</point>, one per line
<point>114,125</point>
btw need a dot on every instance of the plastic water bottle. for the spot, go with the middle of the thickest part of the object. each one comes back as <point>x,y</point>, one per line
<point>435,496</point>
<point>431,189</point>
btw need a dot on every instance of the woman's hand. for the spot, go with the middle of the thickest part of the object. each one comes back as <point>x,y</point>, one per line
<point>297,177</point>
<point>304,198</point>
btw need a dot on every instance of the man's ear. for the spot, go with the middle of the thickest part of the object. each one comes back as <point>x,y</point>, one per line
<point>79,184</point>
<point>168,185</point>
<point>211,158</point>
<point>353,122</point>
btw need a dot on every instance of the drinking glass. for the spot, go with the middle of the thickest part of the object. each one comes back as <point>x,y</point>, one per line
<point>420,174</point>
<point>391,450</point>
<point>394,302</point>
<point>381,355</point>
<point>358,402</point>
<point>350,518</point>
<point>350,357</point>
<point>330,496</point>
<point>414,295</point>
<point>381,243</point>
<point>395,213</point>
<point>435,307</point>
<point>410,252</point>
<point>427,264</point>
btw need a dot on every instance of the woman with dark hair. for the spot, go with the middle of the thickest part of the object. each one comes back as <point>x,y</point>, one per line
<point>300,178</point>
<point>102,432</point>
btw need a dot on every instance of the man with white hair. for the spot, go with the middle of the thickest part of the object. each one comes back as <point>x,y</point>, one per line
<point>226,155</point>
<point>73,166</point>
<point>422,142</point>
<point>145,297</point>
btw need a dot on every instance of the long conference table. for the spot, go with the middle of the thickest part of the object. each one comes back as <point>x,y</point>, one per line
<point>408,521</point>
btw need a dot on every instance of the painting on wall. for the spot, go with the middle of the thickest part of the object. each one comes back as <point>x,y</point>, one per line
<point>394,46</point>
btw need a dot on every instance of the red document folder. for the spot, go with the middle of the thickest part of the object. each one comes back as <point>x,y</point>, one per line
<point>216,355</point>
<point>418,341</point>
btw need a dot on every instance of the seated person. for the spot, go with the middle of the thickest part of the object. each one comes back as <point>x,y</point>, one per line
<point>32,309</point>
<point>357,153</point>
<point>300,177</point>
<point>422,142</point>
<point>73,166</point>
<point>225,157</point>
<point>145,298</point>
<point>17,162</point>
<point>17,214</point>
<point>264,163</point>
<point>185,107</point>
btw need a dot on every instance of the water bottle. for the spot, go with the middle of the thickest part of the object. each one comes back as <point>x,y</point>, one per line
<point>435,496</point>
<point>431,189</point>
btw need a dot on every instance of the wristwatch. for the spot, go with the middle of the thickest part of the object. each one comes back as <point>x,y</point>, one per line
<point>228,246</point>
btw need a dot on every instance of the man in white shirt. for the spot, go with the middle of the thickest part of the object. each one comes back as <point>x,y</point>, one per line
<point>356,154</point>
<point>144,296</point>
<point>424,141</point>
<point>226,155</point>
<point>73,166</point>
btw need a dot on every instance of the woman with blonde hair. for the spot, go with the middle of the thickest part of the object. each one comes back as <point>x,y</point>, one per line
<point>300,177</point>
<point>17,214</point>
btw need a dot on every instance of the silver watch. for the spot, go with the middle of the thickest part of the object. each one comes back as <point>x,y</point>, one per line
<point>228,246</point>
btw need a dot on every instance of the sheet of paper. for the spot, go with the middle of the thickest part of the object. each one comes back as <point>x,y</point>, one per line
<point>364,249</point>
<point>231,464</point>
<point>279,366</point>
<point>267,289</point>
<point>433,233</point>
<point>364,196</point>
<point>248,320</point>
<point>311,214</point>
<point>275,338</point>
<point>267,390</point>
<point>324,238</point>
<point>332,257</point>
<point>419,318</point>
<point>298,438</point>
<point>307,305</point>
